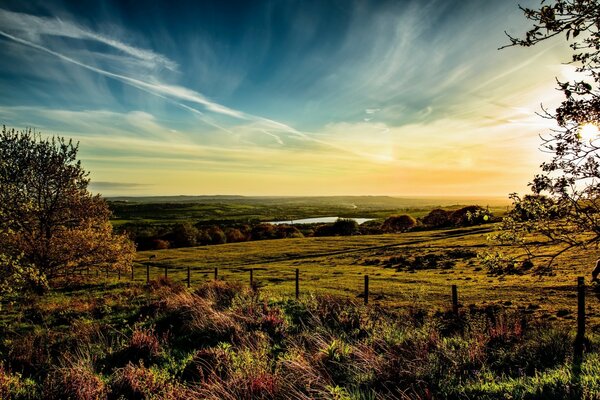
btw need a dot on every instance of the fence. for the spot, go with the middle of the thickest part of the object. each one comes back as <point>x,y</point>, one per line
<point>455,306</point>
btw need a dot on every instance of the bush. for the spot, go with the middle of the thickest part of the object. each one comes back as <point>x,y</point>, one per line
<point>184,235</point>
<point>263,232</point>
<point>470,215</point>
<point>234,235</point>
<point>345,227</point>
<point>437,218</point>
<point>77,382</point>
<point>398,223</point>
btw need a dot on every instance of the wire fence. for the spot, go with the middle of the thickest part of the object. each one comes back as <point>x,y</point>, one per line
<point>154,272</point>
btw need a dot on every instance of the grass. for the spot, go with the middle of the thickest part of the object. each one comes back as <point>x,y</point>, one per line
<point>336,265</point>
<point>225,210</point>
<point>106,338</point>
<point>224,341</point>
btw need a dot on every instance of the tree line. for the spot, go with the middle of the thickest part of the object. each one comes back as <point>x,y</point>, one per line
<point>149,236</point>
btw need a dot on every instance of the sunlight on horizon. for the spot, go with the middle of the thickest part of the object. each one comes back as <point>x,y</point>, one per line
<point>271,99</point>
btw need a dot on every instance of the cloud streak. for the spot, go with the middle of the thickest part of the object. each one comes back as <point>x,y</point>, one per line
<point>34,28</point>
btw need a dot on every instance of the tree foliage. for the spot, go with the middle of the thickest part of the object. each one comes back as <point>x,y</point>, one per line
<point>398,223</point>
<point>565,204</point>
<point>48,219</point>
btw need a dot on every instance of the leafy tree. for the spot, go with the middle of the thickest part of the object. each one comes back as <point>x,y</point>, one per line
<point>48,219</point>
<point>345,227</point>
<point>398,223</point>
<point>184,234</point>
<point>234,235</point>
<point>469,215</point>
<point>437,218</point>
<point>288,231</point>
<point>570,180</point>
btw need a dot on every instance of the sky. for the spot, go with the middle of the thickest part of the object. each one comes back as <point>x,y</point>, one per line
<point>282,97</point>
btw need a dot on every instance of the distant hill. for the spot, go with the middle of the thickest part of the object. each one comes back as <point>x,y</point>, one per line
<point>358,201</point>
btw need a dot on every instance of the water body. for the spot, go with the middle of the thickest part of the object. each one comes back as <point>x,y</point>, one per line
<point>319,220</point>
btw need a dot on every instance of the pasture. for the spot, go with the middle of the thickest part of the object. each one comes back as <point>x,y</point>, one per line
<point>412,269</point>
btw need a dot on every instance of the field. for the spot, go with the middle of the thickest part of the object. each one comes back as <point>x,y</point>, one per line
<point>239,209</point>
<point>107,337</point>
<point>337,265</point>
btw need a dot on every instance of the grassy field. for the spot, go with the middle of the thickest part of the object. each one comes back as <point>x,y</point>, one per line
<point>240,209</point>
<point>337,265</point>
<point>110,338</point>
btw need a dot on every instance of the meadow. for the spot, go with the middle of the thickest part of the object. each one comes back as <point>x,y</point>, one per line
<point>242,209</point>
<point>409,269</point>
<point>108,336</point>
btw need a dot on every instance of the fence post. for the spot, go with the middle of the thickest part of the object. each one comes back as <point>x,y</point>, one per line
<point>189,277</point>
<point>147,273</point>
<point>580,338</point>
<point>455,299</point>
<point>251,277</point>
<point>132,278</point>
<point>166,273</point>
<point>216,273</point>
<point>297,283</point>
<point>366,295</point>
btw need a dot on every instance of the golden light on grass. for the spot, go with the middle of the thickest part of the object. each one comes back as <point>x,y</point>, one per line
<point>589,132</point>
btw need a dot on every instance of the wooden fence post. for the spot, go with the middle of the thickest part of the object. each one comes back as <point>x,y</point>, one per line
<point>455,299</point>
<point>189,277</point>
<point>297,283</point>
<point>132,277</point>
<point>216,273</point>
<point>147,273</point>
<point>580,338</point>
<point>366,295</point>
<point>251,277</point>
<point>166,272</point>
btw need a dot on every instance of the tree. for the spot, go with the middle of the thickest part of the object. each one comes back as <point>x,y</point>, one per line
<point>469,215</point>
<point>345,227</point>
<point>398,223</point>
<point>437,218</point>
<point>184,234</point>
<point>48,219</point>
<point>565,205</point>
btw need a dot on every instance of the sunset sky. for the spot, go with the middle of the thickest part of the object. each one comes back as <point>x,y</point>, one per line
<point>406,98</point>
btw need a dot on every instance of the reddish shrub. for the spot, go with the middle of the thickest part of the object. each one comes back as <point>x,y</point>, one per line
<point>78,382</point>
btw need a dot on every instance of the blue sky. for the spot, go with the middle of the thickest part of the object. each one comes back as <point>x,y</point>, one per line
<point>283,97</point>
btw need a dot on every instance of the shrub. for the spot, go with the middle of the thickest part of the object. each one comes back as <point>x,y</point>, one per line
<point>345,227</point>
<point>470,215</point>
<point>159,244</point>
<point>288,231</point>
<point>372,227</point>
<point>263,232</point>
<point>437,218</point>
<point>398,223</point>
<point>77,382</point>
<point>184,235</point>
<point>217,236</point>
<point>14,387</point>
<point>234,235</point>
<point>139,383</point>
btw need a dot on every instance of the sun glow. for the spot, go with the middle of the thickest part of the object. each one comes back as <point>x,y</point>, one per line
<point>589,132</point>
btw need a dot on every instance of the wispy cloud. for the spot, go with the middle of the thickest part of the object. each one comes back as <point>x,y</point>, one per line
<point>34,28</point>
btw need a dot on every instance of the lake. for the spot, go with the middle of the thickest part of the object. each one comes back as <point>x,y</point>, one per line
<point>319,220</point>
